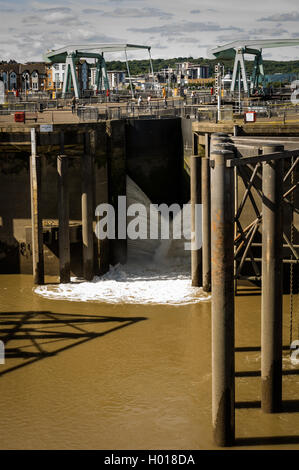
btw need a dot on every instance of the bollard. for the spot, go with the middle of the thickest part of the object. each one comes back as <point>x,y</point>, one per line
<point>236,130</point>
<point>222,255</point>
<point>195,170</point>
<point>87,200</point>
<point>206,217</point>
<point>63,218</point>
<point>36,217</point>
<point>272,244</point>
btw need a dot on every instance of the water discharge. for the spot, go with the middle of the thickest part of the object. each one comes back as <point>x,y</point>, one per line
<point>157,272</point>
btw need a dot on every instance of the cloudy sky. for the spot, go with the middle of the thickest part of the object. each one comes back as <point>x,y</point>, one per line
<point>172,27</point>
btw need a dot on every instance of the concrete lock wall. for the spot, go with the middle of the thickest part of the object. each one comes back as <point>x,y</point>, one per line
<point>150,151</point>
<point>15,209</point>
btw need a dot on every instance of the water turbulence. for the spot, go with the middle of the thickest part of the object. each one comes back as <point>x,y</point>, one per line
<point>157,270</point>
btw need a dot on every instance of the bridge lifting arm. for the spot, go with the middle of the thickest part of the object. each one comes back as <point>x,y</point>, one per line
<point>239,66</point>
<point>236,50</point>
<point>258,71</point>
<point>70,75</point>
<point>101,74</point>
<point>71,55</point>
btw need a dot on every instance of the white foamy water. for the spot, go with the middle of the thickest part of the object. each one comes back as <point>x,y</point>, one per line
<point>158,272</point>
<point>129,284</point>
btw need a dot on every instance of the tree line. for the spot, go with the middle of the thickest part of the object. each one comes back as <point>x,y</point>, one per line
<point>139,67</point>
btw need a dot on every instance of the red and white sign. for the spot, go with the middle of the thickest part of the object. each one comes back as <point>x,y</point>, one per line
<point>250,116</point>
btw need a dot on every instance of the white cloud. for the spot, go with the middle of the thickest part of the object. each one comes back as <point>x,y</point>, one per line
<point>55,16</point>
<point>172,28</point>
<point>139,13</point>
<point>91,11</point>
<point>293,16</point>
<point>183,27</point>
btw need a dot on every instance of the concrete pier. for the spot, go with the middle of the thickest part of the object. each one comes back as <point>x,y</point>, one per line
<point>206,217</point>
<point>87,200</point>
<point>272,236</point>
<point>63,219</point>
<point>195,179</point>
<point>222,253</point>
<point>36,216</point>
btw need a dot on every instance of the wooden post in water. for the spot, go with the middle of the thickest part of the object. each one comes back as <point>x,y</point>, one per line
<point>63,216</point>
<point>36,217</point>
<point>272,252</point>
<point>87,200</point>
<point>222,254</point>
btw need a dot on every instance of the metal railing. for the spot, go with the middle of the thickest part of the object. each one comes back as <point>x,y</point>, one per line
<point>87,110</point>
<point>153,110</point>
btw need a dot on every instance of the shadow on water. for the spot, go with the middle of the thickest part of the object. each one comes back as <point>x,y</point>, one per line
<point>288,406</point>
<point>257,373</point>
<point>37,329</point>
<point>248,373</point>
<point>267,440</point>
<point>248,294</point>
<point>256,348</point>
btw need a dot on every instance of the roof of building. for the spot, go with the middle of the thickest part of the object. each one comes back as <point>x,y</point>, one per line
<point>31,67</point>
<point>20,68</point>
<point>9,68</point>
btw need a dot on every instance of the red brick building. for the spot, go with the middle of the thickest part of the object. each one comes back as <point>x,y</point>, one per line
<point>23,77</point>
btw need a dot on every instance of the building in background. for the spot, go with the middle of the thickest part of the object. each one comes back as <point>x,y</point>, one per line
<point>56,73</point>
<point>191,72</point>
<point>33,76</point>
<point>30,77</point>
<point>116,78</point>
<point>9,74</point>
<point>185,73</point>
<point>55,77</point>
<point>83,69</point>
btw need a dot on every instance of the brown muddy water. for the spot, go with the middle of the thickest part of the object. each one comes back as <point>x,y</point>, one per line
<point>85,375</point>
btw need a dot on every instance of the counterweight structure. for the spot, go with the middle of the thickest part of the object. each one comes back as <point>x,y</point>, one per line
<point>236,50</point>
<point>70,55</point>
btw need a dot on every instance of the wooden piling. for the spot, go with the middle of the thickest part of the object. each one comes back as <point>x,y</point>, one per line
<point>36,216</point>
<point>63,218</point>
<point>87,200</point>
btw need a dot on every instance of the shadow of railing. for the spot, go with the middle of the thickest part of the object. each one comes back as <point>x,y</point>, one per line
<point>288,406</point>
<point>266,440</point>
<point>40,334</point>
